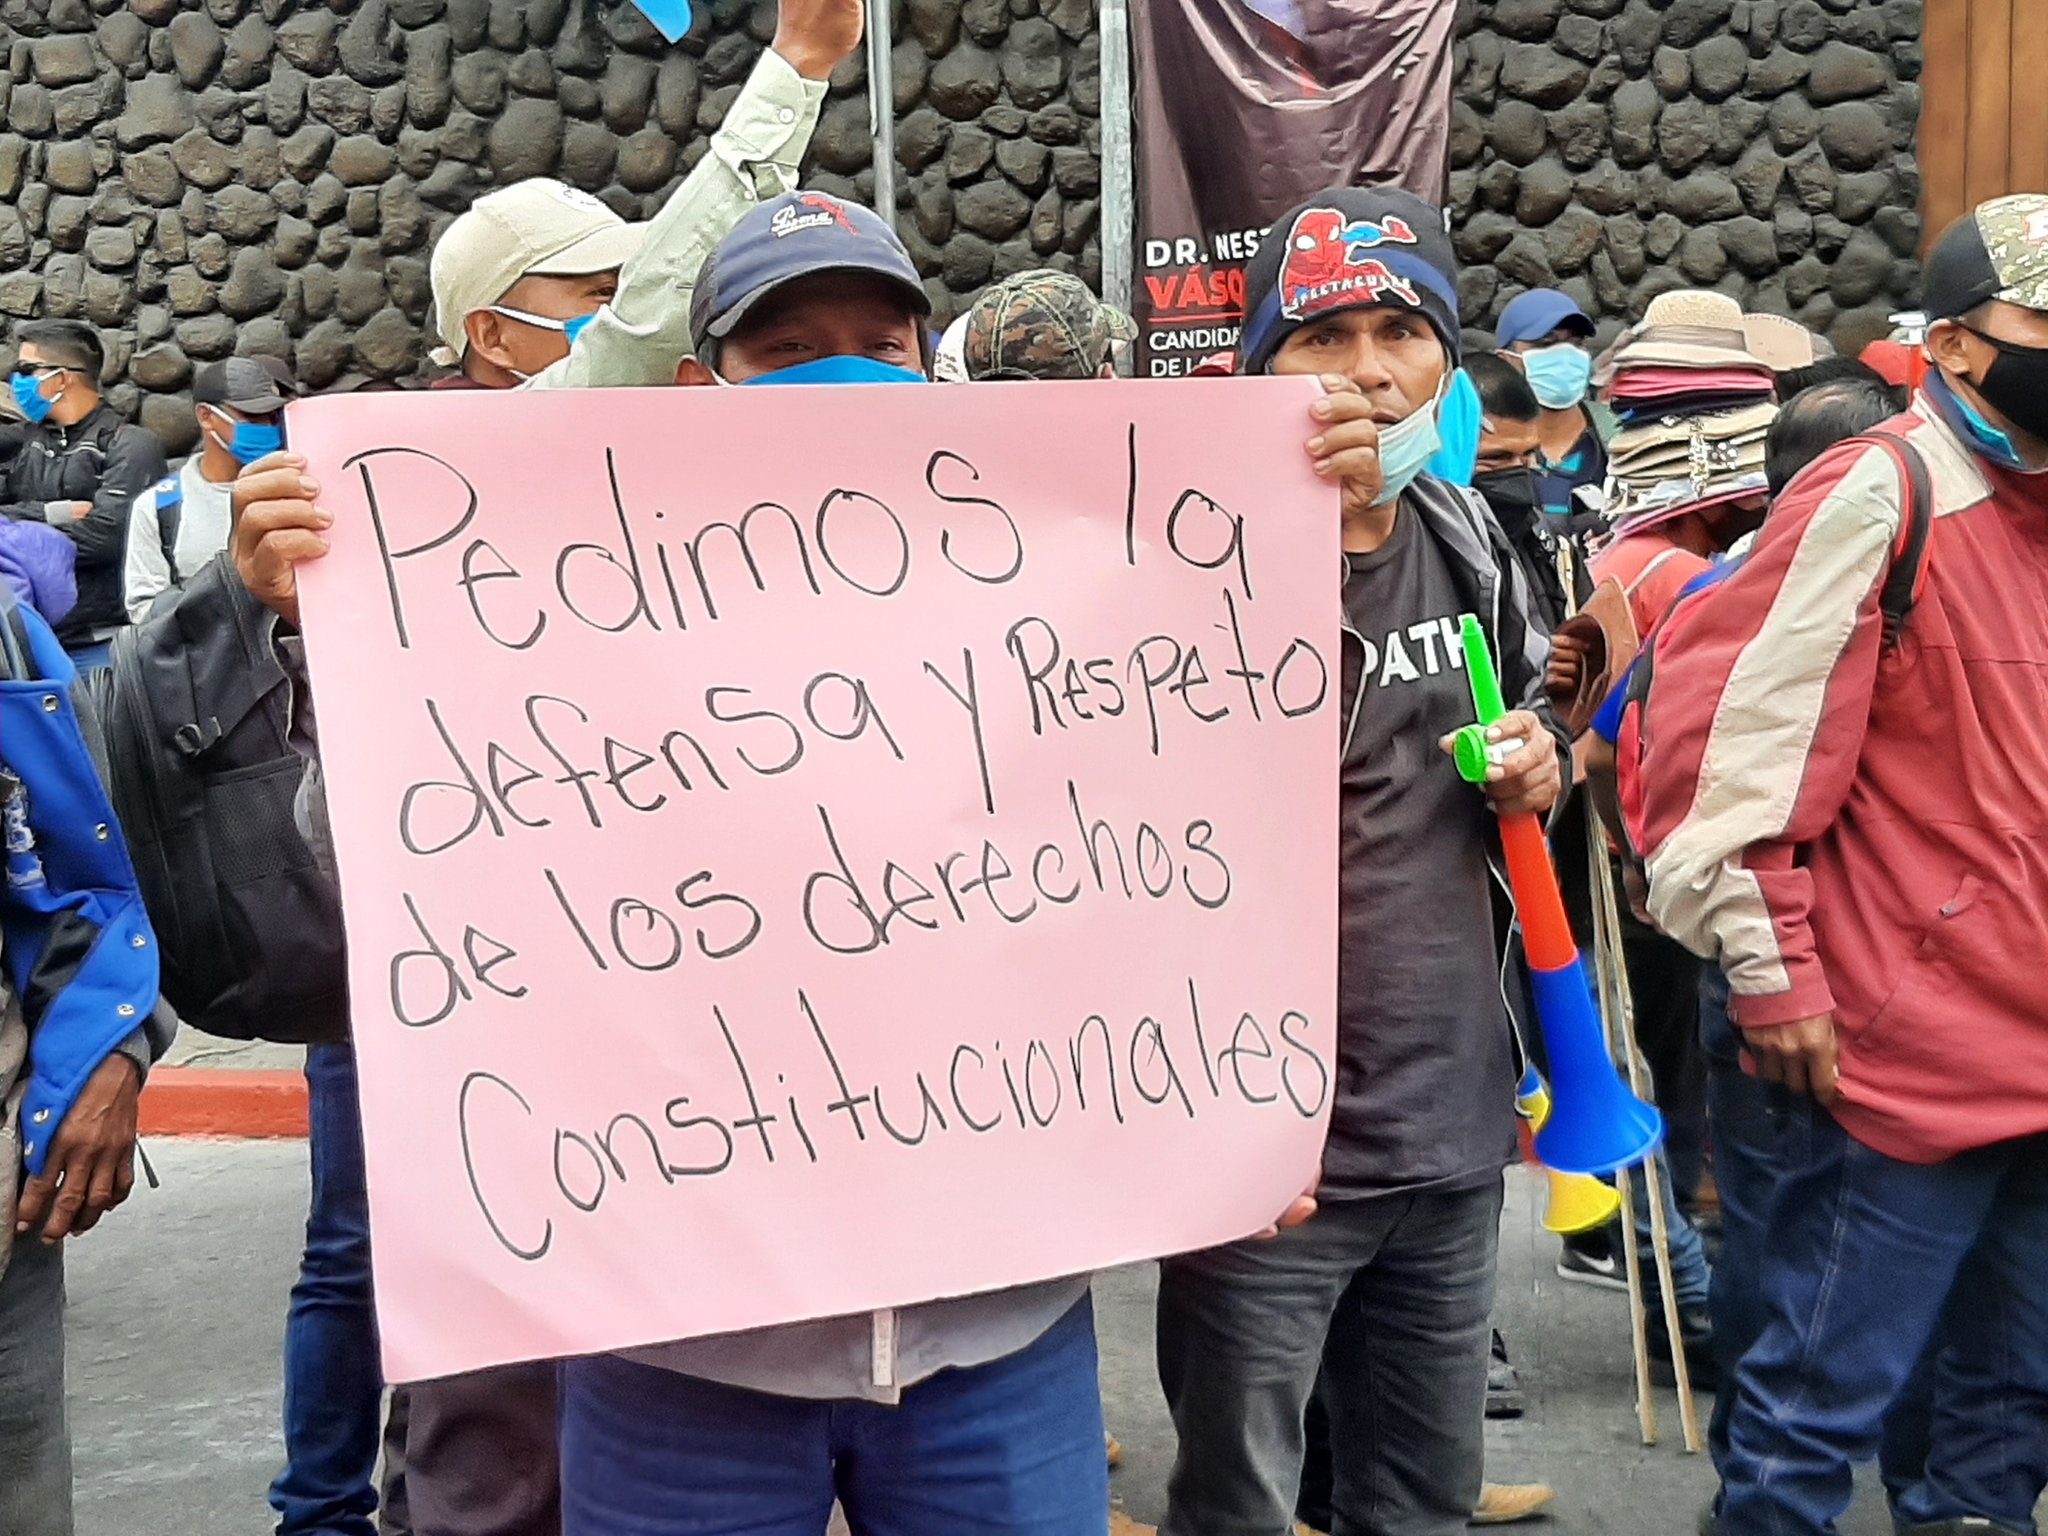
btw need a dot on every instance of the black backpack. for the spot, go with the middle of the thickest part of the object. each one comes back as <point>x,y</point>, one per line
<point>196,713</point>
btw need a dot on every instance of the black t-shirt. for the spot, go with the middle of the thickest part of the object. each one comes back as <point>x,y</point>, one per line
<point>1425,1090</point>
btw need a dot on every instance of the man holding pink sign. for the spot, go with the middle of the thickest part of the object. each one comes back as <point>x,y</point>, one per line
<point>974,1413</point>
<point>1378,1309</point>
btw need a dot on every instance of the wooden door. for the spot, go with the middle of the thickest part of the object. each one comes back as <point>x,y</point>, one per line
<point>1983,105</point>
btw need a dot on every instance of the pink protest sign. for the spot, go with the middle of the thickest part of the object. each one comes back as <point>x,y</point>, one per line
<point>810,850</point>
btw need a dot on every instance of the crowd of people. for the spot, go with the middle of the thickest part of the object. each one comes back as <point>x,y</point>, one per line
<point>1820,798</point>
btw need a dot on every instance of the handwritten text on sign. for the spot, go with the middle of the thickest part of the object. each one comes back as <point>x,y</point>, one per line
<point>809,850</point>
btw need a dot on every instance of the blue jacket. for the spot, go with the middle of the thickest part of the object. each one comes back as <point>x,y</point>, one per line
<point>78,946</point>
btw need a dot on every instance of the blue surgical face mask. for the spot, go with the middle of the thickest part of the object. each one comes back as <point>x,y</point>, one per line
<point>253,440</point>
<point>248,441</point>
<point>28,394</point>
<point>1406,449</point>
<point>841,370</point>
<point>1559,375</point>
<point>1996,444</point>
<point>1989,441</point>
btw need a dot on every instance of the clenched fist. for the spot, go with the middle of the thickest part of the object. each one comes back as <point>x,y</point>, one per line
<point>815,35</point>
<point>277,525</point>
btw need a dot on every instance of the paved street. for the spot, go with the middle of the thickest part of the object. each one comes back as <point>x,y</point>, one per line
<point>177,1308</point>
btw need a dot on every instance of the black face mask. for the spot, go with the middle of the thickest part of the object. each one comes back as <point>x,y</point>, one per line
<point>1516,495</point>
<point>2016,386</point>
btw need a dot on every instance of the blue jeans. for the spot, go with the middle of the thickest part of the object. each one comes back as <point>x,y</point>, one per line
<point>1865,1255</point>
<point>91,657</point>
<point>1011,1448</point>
<point>1748,1117</point>
<point>333,1389</point>
<point>1691,1276</point>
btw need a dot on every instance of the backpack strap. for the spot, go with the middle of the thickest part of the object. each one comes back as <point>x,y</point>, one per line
<point>1908,569</point>
<point>228,672</point>
<point>1650,570</point>
<point>170,509</point>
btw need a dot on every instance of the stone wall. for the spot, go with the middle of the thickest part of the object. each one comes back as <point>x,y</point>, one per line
<point>1621,148</point>
<point>201,177</point>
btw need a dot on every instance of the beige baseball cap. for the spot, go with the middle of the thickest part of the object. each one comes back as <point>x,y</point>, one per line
<point>533,228</point>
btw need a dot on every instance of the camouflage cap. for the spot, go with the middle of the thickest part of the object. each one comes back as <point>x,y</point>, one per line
<point>1997,252</point>
<point>1042,325</point>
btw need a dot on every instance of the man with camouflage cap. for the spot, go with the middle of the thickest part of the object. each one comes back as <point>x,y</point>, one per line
<point>1858,833</point>
<point>1043,325</point>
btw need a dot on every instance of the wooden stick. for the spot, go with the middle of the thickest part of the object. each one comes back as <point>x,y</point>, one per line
<point>1638,1317</point>
<point>1604,964</point>
<point>1606,960</point>
<point>1617,1013</point>
<point>1608,925</point>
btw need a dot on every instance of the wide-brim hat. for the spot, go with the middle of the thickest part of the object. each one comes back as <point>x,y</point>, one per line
<point>1652,511</point>
<point>1734,425</point>
<point>1676,346</point>
<point>1676,463</point>
<point>1656,381</point>
<point>1781,343</point>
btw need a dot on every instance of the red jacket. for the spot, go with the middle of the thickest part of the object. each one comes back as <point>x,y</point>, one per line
<point>1865,833</point>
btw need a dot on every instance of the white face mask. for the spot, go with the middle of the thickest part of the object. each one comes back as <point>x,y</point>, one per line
<point>570,329</point>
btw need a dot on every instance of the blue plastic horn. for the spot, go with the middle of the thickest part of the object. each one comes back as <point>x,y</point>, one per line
<point>1596,1125</point>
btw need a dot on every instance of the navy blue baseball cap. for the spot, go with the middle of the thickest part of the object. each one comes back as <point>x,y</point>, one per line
<point>1534,315</point>
<point>799,234</point>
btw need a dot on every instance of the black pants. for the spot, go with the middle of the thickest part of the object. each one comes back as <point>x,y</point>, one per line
<point>1387,1301</point>
<point>475,1455</point>
<point>1664,981</point>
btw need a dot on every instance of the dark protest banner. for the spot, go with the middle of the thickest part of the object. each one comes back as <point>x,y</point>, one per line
<point>813,850</point>
<point>1246,108</point>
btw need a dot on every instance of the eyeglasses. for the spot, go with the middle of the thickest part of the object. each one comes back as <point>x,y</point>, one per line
<point>40,371</point>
